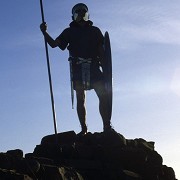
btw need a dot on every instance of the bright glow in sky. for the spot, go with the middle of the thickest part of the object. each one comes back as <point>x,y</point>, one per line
<point>145,40</point>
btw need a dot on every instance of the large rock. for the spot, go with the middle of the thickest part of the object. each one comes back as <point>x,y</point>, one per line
<point>107,156</point>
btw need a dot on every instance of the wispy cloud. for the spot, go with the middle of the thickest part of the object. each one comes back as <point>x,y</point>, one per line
<point>163,31</point>
<point>144,23</point>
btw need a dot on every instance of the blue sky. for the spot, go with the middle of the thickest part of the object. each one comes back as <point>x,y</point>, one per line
<point>145,40</point>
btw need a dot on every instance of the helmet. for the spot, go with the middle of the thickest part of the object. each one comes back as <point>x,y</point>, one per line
<point>80,12</point>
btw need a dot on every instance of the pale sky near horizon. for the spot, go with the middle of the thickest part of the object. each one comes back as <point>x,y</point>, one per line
<point>145,40</point>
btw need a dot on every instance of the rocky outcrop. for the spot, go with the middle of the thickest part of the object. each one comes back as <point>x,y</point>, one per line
<point>107,156</point>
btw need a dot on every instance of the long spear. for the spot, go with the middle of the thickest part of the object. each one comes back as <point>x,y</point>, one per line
<point>49,74</point>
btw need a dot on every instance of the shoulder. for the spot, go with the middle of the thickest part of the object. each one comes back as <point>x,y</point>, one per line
<point>64,34</point>
<point>97,31</point>
<point>96,28</point>
<point>66,30</point>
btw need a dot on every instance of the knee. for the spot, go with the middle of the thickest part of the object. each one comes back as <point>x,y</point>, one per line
<point>102,95</point>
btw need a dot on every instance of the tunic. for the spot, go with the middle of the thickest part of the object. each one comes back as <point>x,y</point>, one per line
<point>83,42</point>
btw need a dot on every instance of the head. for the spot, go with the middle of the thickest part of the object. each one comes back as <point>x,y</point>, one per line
<point>80,12</point>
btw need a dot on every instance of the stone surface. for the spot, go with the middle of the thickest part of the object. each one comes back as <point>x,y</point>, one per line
<point>107,156</point>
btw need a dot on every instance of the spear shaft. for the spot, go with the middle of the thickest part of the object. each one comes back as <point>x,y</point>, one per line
<point>49,74</point>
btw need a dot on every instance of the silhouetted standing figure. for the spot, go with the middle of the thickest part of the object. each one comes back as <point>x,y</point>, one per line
<point>85,44</point>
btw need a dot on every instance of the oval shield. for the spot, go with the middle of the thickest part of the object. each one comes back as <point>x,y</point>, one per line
<point>107,71</point>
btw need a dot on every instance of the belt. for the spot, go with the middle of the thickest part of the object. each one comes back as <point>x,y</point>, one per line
<point>80,60</point>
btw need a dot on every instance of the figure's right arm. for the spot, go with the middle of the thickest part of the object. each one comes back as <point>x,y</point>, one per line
<point>47,37</point>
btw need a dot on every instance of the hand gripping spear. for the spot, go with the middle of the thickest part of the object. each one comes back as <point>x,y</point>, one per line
<point>49,75</point>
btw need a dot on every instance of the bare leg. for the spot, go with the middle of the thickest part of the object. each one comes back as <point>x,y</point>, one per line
<point>81,110</point>
<point>103,103</point>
